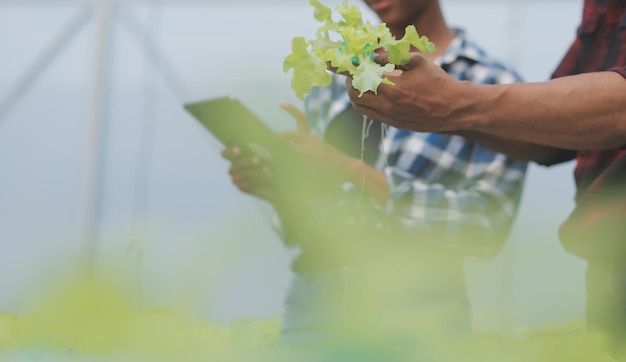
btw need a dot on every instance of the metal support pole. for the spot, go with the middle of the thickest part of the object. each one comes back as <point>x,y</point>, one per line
<point>94,139</point>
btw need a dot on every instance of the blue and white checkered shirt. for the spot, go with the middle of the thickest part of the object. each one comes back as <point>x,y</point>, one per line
<point>440,182</point>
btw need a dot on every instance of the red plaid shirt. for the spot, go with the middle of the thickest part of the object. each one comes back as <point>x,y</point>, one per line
<point>597,226</point>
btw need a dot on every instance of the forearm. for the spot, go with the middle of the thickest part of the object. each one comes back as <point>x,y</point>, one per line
<point>520,150</point>
<point>586,111</point>
<point>290,218</point>
<point>373,182</point>
<point>294,212</point>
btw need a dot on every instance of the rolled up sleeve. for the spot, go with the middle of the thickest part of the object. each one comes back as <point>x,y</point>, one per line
<point>620,70</point>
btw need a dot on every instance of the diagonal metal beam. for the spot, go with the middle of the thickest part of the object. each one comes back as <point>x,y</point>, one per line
<point>44,59</point>
<point>153,53</point>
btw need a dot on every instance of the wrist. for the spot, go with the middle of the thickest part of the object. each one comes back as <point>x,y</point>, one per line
<point>374,181</point>
<point>472,110</point>
<point>354,169</point>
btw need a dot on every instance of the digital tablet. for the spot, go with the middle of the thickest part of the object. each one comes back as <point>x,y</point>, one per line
<point>233,124</point>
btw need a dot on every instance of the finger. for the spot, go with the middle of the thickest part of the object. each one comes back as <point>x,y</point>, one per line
<point>294,137</point>
<point>298,115</point>
<point>381,58</point>
<point>355,95</point>
<point>330,67</point>
<point>231,153</point>
<point>245,163</point>
<point>369,96</point>
<point>251,177</point>
<point>394,73</point>
<point>362,103</point>
<point>266,192</point>
<point>372,113</point>
<point>416,58</point>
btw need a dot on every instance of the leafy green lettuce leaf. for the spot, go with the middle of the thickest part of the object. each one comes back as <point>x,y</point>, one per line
<point>369,75</point>
<point>348,44</point>
<point>308,70</point>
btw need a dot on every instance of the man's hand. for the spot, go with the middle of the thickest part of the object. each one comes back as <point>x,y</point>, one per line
<point>250,174</point>
<point>422,99</point>
<point>338,164</point>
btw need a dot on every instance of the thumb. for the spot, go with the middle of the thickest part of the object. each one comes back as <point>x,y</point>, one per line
<point>294,137</point>
<point>298,115</point>
<point>416,58</point>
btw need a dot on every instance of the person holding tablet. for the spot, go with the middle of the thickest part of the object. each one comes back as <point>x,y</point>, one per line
<point>424,200</point>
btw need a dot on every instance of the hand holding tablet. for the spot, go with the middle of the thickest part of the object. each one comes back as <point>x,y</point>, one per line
<point>233,124</point>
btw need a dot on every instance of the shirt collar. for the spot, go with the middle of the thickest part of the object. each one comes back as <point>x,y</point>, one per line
<point>460,47</point>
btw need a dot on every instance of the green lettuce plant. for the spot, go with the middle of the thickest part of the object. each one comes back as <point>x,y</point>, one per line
<point>348,45</point>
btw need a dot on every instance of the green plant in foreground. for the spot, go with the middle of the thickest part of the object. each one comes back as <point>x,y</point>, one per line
<point>348,45</point>
<point>96,319</point>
